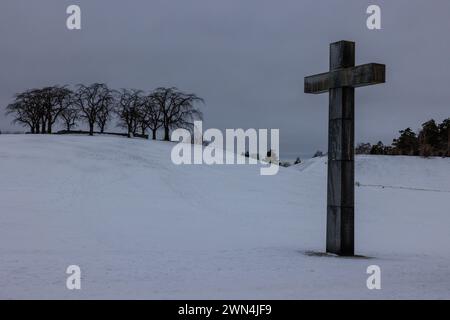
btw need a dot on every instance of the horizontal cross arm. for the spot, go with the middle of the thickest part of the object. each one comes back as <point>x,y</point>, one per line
<point>364,75</point>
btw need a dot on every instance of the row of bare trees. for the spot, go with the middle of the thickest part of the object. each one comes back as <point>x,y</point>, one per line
<point>97,105</point>
<point>39,108</point>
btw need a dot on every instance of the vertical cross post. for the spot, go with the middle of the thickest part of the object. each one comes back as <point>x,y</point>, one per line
<point>340,83</point>
<point>341,167</point>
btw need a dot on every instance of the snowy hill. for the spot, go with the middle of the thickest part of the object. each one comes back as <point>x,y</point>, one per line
<point>142,227</point>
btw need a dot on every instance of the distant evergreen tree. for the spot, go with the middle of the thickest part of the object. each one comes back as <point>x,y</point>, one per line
<point>377,148</point>
<point>444,138</point>
<point>429,139</point>
<point>407,143</point>
<point>432,140</point>
<point>297,161</point>
<point>363,148</point>
<point>388,150</point>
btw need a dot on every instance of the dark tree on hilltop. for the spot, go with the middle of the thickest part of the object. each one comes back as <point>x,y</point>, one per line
<point>407,143</point>
<point>56,100</point>
<point>69,116</point>
<point>104,116</point>
<point>63,108</point>
<point>178,108</point>
<point>94,103</point>
<point>127,109</point>
<point>151,115</point>
<point>378,148</point>
<point>40,108</point>
<point>429,139</point>
<point>26,110</point>
<point>432,140</point>
<point>444,137</point>
<point>363,148</point>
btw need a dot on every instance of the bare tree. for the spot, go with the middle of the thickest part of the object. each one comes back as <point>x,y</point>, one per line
<point>178,108</point>
<point>69,116</point>
<point>27,110</point>
<point>61,100</point>
<point>21,113</point>
<point>104,116</point>
<point>128,104</point>
<point>50,101</point>
<point>94,102</point>
<point>167,108</point>
<point>150,116</point>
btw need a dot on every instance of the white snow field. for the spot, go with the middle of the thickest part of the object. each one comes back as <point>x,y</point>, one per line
<point>141,227</point>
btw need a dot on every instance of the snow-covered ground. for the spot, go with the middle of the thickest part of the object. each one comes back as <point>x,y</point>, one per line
<point>141,227</point>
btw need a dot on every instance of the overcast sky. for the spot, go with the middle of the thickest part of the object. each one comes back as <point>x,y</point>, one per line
<point>246,58</point>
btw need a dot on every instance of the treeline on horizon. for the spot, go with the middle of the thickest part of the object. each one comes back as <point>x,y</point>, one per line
<point>167,109</point>
<point>97,106</point>
<point>432,140</point>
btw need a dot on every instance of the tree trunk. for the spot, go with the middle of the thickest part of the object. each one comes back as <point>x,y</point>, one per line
<point>91,128</point>
<point>154,134</point>
<point>448,142</point>
<point>49,124</point>
<point>43,127</point>
<point>166,133</point>
<point>130,130</point>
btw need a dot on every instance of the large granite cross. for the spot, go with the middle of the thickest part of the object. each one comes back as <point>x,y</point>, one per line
<point>341,82</point>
